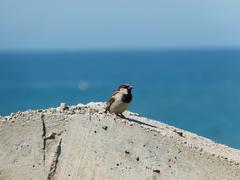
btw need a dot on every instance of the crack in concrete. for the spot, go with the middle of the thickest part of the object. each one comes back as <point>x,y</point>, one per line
<point>43,136</point>
<point>54,163</point>
<point>52,135</point>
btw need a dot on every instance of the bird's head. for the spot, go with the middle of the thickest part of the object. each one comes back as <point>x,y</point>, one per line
<point>127,88</point>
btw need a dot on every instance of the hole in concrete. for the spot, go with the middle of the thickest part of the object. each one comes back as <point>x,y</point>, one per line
<point>156,171</point>
<point>105,128</point>
<point>178,132</point>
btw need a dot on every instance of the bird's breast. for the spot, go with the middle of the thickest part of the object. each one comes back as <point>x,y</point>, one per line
<point>118,106</point>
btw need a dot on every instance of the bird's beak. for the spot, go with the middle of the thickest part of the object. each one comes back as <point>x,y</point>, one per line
<point>130,87</point>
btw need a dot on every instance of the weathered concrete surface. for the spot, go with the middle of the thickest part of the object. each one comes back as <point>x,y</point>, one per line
<point>82,142</point>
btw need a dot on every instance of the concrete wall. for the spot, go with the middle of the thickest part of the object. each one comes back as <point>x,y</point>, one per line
<point>82,142</point>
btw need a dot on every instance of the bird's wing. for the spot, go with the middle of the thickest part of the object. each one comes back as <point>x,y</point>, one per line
<point>110,101</point>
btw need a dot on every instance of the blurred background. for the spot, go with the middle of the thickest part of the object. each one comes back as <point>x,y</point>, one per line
<point>182,57</point>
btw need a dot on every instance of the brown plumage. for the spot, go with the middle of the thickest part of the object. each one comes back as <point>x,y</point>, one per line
<point>110,101</point>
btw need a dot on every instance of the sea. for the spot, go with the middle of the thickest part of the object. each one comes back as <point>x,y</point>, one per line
<point>196,90</point>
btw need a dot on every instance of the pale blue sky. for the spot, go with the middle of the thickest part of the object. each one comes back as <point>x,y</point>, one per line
<point>122,24</point>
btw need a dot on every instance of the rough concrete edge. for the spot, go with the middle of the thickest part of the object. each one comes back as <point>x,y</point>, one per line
<point>185,138</point>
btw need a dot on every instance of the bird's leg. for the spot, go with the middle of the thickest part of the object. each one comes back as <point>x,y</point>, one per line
<point>106,110</point>
<point>121,115</point>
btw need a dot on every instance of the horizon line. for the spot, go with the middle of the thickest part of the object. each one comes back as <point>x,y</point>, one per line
<point>118,50</point>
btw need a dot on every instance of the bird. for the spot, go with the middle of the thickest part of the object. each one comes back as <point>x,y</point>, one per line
<point>120,100</point>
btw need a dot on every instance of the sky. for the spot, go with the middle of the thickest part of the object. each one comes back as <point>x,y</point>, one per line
<point>124,24</point>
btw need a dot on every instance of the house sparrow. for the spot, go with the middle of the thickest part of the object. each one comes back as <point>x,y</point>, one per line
<point>120,100</point>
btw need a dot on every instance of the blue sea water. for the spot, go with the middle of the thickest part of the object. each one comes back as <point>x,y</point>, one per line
<point>196,90</point>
